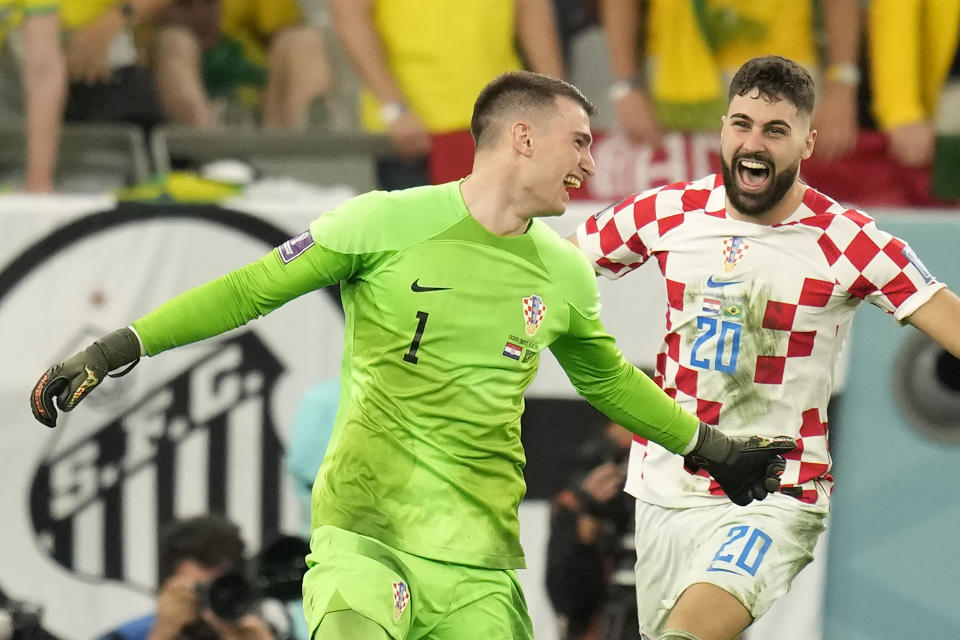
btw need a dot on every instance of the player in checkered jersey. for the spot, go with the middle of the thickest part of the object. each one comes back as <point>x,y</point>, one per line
<point>763,275</point>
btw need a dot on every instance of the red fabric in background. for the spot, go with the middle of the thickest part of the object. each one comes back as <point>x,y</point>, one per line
<point>866,178</point>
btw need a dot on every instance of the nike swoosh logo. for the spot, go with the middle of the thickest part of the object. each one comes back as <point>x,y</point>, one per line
<point>713,284</point>
<point>415,286</point>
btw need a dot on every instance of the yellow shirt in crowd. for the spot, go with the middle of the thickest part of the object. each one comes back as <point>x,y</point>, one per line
<point>912,44</point>
<point>441,54</point>
<point>694,48</point>
<point>12,13</point>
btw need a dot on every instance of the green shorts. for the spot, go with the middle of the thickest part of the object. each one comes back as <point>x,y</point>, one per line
<point>409,596</point>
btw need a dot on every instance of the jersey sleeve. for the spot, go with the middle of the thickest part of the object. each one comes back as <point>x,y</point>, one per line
<point>236,298</point>
<point>876,266</point>
<point>601,374</point>
<point>620,238</point>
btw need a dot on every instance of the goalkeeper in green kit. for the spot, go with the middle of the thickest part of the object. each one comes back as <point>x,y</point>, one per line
<point>450,294</point>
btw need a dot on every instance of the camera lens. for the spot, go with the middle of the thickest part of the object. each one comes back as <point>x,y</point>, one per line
<point>230,596</point>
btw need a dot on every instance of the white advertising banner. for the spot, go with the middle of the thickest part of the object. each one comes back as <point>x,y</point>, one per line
<point>201,428</point>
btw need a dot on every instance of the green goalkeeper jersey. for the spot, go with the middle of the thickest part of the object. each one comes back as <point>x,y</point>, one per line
<point>445,322</point>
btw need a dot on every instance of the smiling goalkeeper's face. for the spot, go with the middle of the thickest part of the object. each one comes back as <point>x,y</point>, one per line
<point>762,142</point>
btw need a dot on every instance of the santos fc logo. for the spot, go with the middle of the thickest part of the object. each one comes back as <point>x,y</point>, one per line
<point>200,430</point>
<point>179,442</point>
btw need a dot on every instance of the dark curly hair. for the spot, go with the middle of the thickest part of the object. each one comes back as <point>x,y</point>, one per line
<point>776,78</point>
<point>210,540</point>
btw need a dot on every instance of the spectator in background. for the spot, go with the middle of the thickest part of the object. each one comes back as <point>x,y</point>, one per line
<point>424,61</point>
<point>192,553</point>
<point>210,55</point>
<point>913,57</point>
<point>43,78</point>
<point>309,438</point>
<point>109,81</point>
<point>591,553</point>
<point>573,16</point>
<point>692,49</point>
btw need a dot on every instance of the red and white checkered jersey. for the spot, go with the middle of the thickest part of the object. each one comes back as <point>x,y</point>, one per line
<point>756,318</point>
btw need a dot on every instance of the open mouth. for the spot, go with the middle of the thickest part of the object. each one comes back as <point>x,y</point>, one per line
<point>753,174</point>
<point>571,182</point>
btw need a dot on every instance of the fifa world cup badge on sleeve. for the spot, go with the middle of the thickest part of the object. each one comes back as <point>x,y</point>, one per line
<point>401,597</point>
<point>295,246</point>
<point>534,310</point>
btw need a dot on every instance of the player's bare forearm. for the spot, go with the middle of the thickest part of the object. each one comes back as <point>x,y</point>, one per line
<point>353,20</point>
<point>939,318</point>
<point>537,34</point>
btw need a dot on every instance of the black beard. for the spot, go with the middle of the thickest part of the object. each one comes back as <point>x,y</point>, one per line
<point>756,204</point>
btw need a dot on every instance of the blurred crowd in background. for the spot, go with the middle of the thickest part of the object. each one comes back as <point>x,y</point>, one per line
<point>410,69</point>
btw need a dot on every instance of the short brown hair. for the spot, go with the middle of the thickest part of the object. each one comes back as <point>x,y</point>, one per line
<point>776,78</point>
<point>211,541</point>
<point>515,90</point>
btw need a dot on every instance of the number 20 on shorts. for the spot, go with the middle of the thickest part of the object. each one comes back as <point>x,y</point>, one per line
<point>743,551</point>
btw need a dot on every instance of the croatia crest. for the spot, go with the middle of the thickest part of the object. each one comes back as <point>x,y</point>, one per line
<point>733,250</point>
<point>401,597</point>
<point>533,312</point>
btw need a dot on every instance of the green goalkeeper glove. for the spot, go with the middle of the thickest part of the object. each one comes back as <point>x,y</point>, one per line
<point>747,469</point>
<point>71,380</point>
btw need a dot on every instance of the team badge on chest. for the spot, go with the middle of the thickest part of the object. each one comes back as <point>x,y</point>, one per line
<point>534,311</point>
<point>733,250</point>
<point>401,598</point>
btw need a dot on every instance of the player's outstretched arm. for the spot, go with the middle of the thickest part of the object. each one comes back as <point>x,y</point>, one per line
<point>747,469</point>
<point>939,318</point>
<point>208,310</point>
<point>73,379</point>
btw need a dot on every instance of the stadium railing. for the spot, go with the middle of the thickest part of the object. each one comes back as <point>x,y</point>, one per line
<point>92,157</point>
<point>321,157</point>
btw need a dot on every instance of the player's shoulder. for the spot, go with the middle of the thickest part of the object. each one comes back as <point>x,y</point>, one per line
<point>566,266</point>
<point>390,220</point>
<point>676,199</point>
<point>820,211</point>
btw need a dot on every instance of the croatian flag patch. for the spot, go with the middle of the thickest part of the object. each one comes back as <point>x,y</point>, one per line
<point>712,306</point>
<point>401,597</point>
<point>512,350</point>
<point>295,246</point>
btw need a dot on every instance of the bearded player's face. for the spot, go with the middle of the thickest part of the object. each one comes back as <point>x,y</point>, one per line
<point>761,145</point>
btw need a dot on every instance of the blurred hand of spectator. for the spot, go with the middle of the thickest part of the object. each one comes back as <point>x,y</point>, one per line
<point>177,605</point>
<point>88,48</point>
<point>604,482</point>
<point>409,136</point>
<point>638,119</point>
<point>249,627</point>
<point>912,144</point>
<point>835,120</point>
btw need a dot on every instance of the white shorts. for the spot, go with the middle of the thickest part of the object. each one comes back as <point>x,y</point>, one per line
<point>752,552</point>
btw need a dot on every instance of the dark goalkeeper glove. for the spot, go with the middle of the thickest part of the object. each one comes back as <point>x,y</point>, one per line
<point>71,380</point>
<point>746,469</point>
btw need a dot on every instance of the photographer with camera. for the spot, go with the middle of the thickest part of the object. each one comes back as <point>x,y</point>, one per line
<point>203,592</point>
<point>590,554</point>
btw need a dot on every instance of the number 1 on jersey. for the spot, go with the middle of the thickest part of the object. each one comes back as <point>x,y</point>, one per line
<point>411,356</point>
